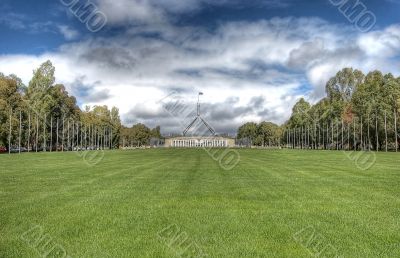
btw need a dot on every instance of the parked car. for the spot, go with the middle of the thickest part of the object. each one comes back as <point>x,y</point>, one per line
<point>16,149</point>
<point>3,150</point>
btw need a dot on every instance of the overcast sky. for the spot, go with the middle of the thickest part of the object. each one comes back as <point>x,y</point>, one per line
<point>252,59</point>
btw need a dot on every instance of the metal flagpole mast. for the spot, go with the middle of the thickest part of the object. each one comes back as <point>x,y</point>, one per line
<point>327,136</point>
<point>386,135</point>
<point>20,132</point>
<point>73,135</point>
<point>112,140</point>
<point>337,134</point>
<point>369,136</point>
<point>44,133</point>
<point>84,137</point>
<point>361,130</point>
<point>29,130</point>
<point>81,135</point>
<point>302,137</point>
<point>9,135</point>
<point>99,138</point>
<point>63,134</point>
<point>348,136</point>
<point>198,117</point>
<point>319,136</point>
<point>68,135</point>
<point>287,139</point>
<point>377,133</point>
<point>57,141</point>
<point>90,136</point>
<point>342,135</point>
<point>395,130</point>
<point>323,137</point>
<point>105,137</point>
<point>51,133</point>
<point>37,133</point>
<point>354,135</point>
<point>333,135</point>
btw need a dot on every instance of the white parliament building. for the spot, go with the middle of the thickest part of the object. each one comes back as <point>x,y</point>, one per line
<point>212,141</point>
<point>196,142</point>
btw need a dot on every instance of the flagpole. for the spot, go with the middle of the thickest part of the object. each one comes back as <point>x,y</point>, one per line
<point>9,135</point>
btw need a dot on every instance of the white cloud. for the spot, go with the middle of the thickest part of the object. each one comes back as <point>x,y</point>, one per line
<point>384,43</point>
<point>123,12</point>
<point>67,32</point>
<point>242,61</point>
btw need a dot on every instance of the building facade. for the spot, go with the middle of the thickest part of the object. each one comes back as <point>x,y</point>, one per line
<point>198,142</point>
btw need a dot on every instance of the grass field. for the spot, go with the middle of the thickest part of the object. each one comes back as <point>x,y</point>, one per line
<point>167,203</point>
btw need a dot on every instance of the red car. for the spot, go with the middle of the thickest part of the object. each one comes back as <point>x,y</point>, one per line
<point>3,149</point>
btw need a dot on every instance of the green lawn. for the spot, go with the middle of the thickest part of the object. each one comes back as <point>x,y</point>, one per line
<point>172,203</point>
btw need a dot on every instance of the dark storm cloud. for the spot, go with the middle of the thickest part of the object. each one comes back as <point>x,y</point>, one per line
<point>111,57</point>
<point>89,93</point>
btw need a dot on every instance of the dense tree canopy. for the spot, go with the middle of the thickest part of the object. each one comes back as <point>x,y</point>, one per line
<point>10,99</point>
<point>362,107</point>
<point>263,134</point>
<point>47,107</point>
<point>366,105</point>
<point>139,135</point>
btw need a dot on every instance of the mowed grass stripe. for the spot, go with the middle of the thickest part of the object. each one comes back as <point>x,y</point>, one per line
<point>116,208</point>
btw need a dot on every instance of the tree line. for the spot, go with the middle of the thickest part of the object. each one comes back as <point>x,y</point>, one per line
<point>43,116</point>
<point>359,112</point>
<point>140,135</point>
<point>265,134</point>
